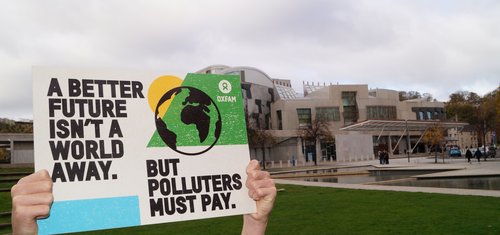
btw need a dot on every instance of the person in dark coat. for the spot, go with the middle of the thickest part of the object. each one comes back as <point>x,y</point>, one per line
<point>478,154</point>
<point>468,155</point>
<point>386,157</point>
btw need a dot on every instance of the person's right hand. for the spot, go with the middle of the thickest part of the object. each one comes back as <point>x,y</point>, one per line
<point>31,200</point>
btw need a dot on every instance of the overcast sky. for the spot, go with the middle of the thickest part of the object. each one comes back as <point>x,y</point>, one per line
<point>436,47</point>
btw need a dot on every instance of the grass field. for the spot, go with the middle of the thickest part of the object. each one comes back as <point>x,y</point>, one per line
<point>314,210</point>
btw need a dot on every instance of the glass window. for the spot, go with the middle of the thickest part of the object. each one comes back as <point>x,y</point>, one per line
<point>304,116</point>
<point>350,107</point>
<point>420,115</point>
<point>349,98</point>
<point>328,114</point>
<point>280,123</point>
<point>381,112</point>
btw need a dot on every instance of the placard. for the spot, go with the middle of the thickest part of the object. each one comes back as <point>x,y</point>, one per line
<point>131,148</point>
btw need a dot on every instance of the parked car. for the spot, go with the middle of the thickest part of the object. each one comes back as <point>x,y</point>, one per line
<point>455,152</point>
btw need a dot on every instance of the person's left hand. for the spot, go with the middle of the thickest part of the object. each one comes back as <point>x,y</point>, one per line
<point>262,190</point>
<point>31,200</point>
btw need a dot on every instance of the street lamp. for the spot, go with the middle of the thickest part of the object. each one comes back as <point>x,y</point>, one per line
<point>408,140</point>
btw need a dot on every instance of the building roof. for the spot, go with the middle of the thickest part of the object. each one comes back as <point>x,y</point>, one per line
<point>285,92</point>
<point>400,125</point>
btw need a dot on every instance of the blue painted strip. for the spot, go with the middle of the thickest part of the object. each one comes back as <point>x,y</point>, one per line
<point>91,214</point>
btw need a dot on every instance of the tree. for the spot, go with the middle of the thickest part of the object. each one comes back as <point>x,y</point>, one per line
<point>458,97</point>
<point>480,112</point>
<point>10,126</point>
<point>434,136</point>
<point>403,95</point>
<point>488,115</point>
<point>259,138</point>
<point>473,98</point>
<point>315,132</point>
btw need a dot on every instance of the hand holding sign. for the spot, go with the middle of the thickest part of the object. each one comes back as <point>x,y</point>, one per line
<point>31,200</point>
<point>261,189</point>
<point>93,133</point>
<point>32,197</point>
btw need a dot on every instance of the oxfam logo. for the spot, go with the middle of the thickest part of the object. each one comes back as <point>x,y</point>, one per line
<point>225,86</point>
<point>196,121</point>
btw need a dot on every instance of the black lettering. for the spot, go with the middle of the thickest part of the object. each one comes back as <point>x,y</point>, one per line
<point>100,84</point>
<point>207,179</point>
<point>216,183</point>
<point>92,172</point>
<point>205,201</point>
<point>137,89</point>
<point>226,182</point>
<point>121,108</point>
<point>87,88</point>
<point>76,170</point>
<point>54,104</point>
<point>169,206</point>
<point>113,88</point>
<point>62,126</point>
<point>165,188</point>
<point>225,198</point>
<point>191,199</point>
<point>156,205</point>
<point>153,185</point>
<point>54,88</point>
<point>196,184</point>
<point>107,108</point>
<point>175,191</point>
<point>77,149</point>
<point>105,166</point>
<point>181,205</point>
<point>216,203</point>
<point>115,129</point>
<point>94,109</point>
<point>185,190</point>
<point>97,126</point>
<point>117,148</point>
<point>91,147</point>
<point>237,182</point>
<point>58,173</point>
<point>125,89</point>
<point>152,168</point>
<point>74,87</point>
<point>52,129</point>
<point>102,149</point>
<point>59,149</point>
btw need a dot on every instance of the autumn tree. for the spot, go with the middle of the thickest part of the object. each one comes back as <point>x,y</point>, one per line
<point>480,112</point>
<point>434,136</point>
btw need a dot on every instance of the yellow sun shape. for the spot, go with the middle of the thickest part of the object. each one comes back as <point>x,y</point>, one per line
<point>158,88</point>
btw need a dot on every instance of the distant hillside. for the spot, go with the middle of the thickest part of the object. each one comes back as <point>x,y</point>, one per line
<point>11,126</point>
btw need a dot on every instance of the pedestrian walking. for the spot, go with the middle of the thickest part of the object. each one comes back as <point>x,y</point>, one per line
<point>478,154</point>
<point>468,155</point>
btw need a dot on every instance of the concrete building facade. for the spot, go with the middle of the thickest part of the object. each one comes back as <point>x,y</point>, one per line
<point>17,147</point>
<point>341,106</point>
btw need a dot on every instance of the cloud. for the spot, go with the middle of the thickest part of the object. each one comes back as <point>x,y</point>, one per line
<point>428,46</point>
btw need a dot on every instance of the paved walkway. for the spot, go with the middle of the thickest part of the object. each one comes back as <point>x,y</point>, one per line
<point>458,168</point>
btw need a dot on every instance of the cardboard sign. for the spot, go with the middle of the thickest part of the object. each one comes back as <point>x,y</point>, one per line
<point>126,148</point>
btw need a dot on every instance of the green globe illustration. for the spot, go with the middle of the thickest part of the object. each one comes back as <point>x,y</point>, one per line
<point>192,119</point>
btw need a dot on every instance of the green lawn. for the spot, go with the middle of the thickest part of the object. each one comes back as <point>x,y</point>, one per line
<point>314,210</point>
